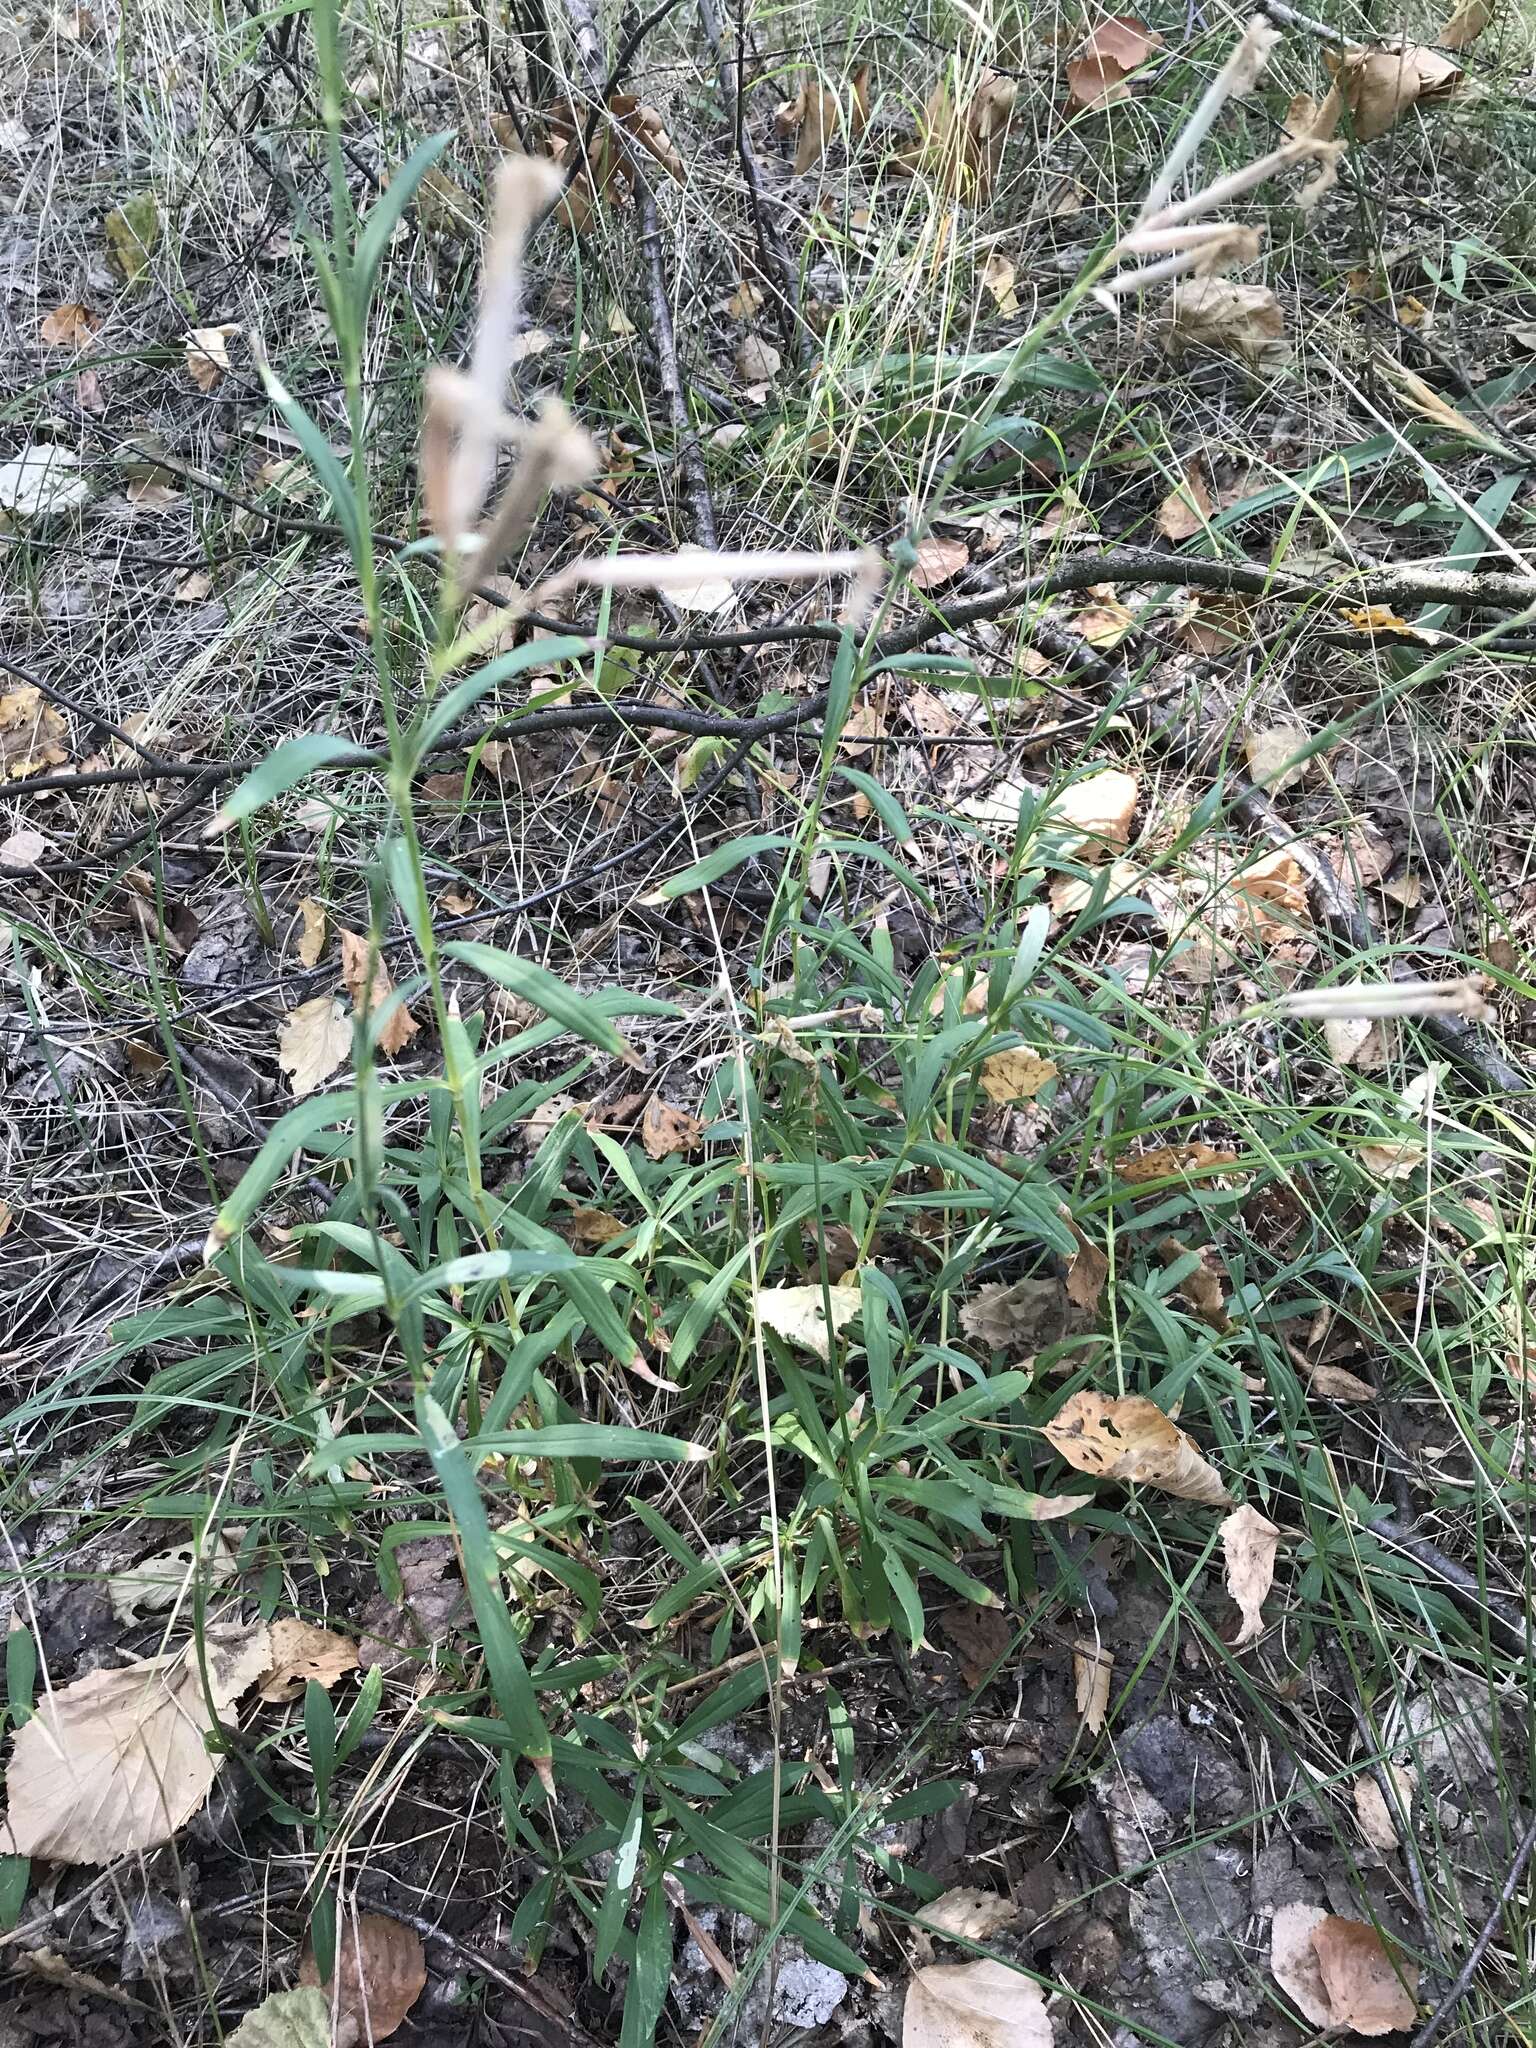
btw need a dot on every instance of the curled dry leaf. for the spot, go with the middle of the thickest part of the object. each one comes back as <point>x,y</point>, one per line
<point>400,1027</point>
<point>939,562</point>
<point>1087,1272</point>
<point>1242,320</point>
<point>1340,1973</point>
<point>1270,896</point>
<point>817,117</point>
<point>1164,1161</point>
<point>1377,1818</point>
<point>117,1762</point>
<point>969,1914</point>
<point>1016,1075</point>
<point>1426,403</point>
<point>1130,1440</point>
<point>1333,1383</point>
<point>665,1129</point>
<point>208,361</point>
<point>301,1652</point>
<point>381,1971</point>
<point>1464,27</point>
<point>1185,511</point>
<point>964,151</point>
<point>974,2005</point>
<point>1201,1285</point>
<point>1380,84</point>
<point>312,1042</point>
<point>32,734</point>
<point>311,941</point>
<point>1099,72</point>
<point>1248,1544</point>
<point>1100,806</point>
<point>69,326</point>
<point>799,1314</point>
<point>998,276</point>
<point>1093,1669</point>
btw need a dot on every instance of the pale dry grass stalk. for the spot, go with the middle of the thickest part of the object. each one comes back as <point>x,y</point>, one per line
<point>1464,997</point>
<point>465,422</point>
<point>691,567</point>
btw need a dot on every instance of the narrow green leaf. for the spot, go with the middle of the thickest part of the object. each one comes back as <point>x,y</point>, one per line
<point>449,709</point>
<point>537,985</point>
<point>283,767</point>
<point>384,217</point>
<point>716,864</point>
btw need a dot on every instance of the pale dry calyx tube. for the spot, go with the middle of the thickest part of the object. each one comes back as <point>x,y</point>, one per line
<point>465,421</point>
<point>1164,229</point>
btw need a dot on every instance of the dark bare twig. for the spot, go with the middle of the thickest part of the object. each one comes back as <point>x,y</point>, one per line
<point>773,254</point>
<point>1460,1582</point>
<point>1430,2031</point>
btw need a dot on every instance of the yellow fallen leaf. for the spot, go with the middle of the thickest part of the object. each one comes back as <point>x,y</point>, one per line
<point>312,1042</point>
<point>1016,1075</point>
<point>1271,897</point>
<point>1101,806</point>
<point>208,361</point>
<point>998,276</point>
<point>665,1129</point>
<point>1248,1544</point>
<point>799,1314</point>
<point>33,736</point>
<point>311,941</point>
<point>1165,1161</point>
<point>1130,1440</point>
<point>1093,1668</point>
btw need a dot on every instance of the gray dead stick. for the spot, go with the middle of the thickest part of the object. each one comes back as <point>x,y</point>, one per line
<point>772,250</point>
<point>589,51</point>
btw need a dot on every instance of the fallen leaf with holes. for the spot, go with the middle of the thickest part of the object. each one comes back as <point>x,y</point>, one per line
<point>69,326</point>
<point>1201,1285</point>
<point>665,1129</point>
<point>939,562</point>
<point>818,118</point>
<point>208,361</point>
<point>1465,25</point>
<point>170,1578</point>
<point>1100,806</point>
<point>799,1314</point>
<point>1270,897</point>
<point>967,1913</point>
<point>1130,1440</point>
<point>1248,1544</point>
<point>1020,1316</point>
<point>117,1762</point>
<point>1186,510</point>
<point>1093,1668</point>
<point>1242,320</point>
<point>974,2005</point>
<point>33,737</point>
<point>1380,84</point>
<point>998,276</point>
<point>1016,1075</point>
<point>311,941</point>
<point>312,1042</point>
<point>381,1971</point>
<point>287,2019</point>
<point>301,1652</point>
<point>1100,71</point>
<point>400,1027</point>
<point>1165,1161</point>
